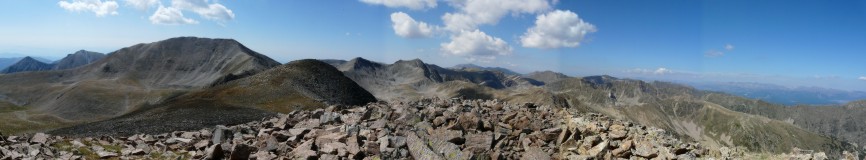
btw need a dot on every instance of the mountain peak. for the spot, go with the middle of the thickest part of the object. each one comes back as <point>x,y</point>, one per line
<point>547,76</point>
<point>358,63</point>
<point>27,64</point>
<point>79,58</point>
<point>28,58</point>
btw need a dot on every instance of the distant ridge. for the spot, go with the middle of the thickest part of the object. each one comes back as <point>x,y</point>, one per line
<point>784,95</point>
<point>79,58</point>
<point>470,66</point>
<point>6,62</point>
<point>27,64</point>
<point>412,79</point>
<point>547,76</point>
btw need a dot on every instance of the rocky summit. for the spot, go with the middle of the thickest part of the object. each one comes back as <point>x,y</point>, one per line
<point>426,129</point>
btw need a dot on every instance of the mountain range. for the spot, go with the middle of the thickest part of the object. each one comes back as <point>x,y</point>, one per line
<point>187,83</point>
<point>785,95</point>
<point>76,59</point>
<point>711,118</point>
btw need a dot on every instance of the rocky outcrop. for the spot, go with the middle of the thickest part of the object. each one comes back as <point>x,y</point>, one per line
<point>428,129</point>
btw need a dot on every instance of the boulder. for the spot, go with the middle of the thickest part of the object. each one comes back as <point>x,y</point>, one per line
<point>645,149</point>
<point>105,154</point>
<point>419,150</point>
<point>479,142</point>
<point>39,138</point>
<point>242,151</point>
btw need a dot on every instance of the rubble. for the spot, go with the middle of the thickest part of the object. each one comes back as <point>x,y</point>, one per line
<point>427,129</point>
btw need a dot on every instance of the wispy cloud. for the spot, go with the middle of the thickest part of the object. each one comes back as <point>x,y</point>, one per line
<point>411,4</point>
<point>142,4</point>
<point>713,53</point>
<point>657,71</point>
<point>862,78</point>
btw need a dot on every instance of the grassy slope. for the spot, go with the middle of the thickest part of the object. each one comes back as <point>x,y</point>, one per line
<point>682,110</point>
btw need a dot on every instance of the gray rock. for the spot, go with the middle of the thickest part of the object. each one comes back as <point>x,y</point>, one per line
<point>535,153</point>
<point>39,138</point>
<point>242,151</point>
<point>419,150</point>
<point>189,135</point>
<point>106,154</point>
<point>397,141</point>
<point>599,149</point>
<point>328,117</point>
<point>479,142</point>
<point>304,151</point>
<point>219,133</point>
<point>617,132</point>
<point>215,151</point>
<point>200,145</point>
<point>332,148</point>
<point>646,150</point>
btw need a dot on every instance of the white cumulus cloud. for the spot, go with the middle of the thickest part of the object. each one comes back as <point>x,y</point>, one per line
<point>472,13</point>
<point>476,45</point>
<point>142,4</point>
<point>170,16</point>
<point>862,78</point>
<point>405,26</point>
<point>557,29</point>
<point>99,7</point>
<point>212,11</point>
<point>411,4</point>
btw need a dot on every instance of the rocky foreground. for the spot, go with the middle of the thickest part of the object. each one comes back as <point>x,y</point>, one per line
<point>429,129</point>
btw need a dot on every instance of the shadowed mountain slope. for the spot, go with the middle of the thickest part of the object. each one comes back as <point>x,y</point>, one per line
<point>414,79</point>
<point>6,62</point>
<point>302,84</point>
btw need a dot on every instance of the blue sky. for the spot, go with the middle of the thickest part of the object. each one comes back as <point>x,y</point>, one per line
<point>787,42</point>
